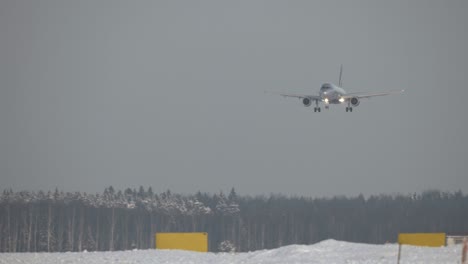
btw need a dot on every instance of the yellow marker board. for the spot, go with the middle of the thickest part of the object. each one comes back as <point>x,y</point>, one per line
<point>422,239</point>
<point>183,241</point>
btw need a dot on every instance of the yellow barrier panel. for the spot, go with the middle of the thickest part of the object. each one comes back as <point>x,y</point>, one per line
<point>422,239</point>
<point>183,241</point>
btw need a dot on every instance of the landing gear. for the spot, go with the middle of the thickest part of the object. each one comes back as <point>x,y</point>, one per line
<point>349,108</point>
<point>316,108</point>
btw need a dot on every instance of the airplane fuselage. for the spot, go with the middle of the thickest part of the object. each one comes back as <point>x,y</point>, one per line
<point>331,94</point>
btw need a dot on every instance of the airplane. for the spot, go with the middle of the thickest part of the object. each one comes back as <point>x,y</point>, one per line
<point>335,94</point>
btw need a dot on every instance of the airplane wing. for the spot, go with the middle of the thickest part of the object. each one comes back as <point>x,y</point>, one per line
<point>371,94</point>
<point>301,96</point>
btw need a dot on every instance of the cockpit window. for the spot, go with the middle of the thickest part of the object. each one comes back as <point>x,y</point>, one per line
<point>326,86</point>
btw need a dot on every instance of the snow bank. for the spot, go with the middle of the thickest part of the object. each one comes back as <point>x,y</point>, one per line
<point>328,251</point>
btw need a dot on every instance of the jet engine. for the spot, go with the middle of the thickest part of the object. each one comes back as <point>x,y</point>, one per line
<point>306,101</point>
<point>355,101</point>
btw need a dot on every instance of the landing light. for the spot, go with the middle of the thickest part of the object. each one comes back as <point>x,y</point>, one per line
<point>326,100</point>
<point>341,100</point>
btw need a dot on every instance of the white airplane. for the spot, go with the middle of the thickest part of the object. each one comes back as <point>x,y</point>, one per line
<point>335,94</point>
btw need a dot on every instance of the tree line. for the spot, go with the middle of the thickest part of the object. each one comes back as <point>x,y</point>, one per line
<point>55,221</point>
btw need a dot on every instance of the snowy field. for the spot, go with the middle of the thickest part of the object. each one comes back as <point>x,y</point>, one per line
<point>329,251</point>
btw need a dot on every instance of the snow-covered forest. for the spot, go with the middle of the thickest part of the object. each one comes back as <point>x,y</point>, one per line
<point>118,220</point>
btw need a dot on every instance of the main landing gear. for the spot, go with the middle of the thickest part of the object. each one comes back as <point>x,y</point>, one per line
<point>349,108</point>
<point>316,108</point>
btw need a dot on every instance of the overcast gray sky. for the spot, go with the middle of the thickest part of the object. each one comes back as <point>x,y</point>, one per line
<point>170,94</point>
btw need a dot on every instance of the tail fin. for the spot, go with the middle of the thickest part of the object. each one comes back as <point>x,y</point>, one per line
<point>340,82</point>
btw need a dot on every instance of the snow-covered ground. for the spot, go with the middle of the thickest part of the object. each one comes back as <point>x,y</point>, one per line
<point>329,251</point>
